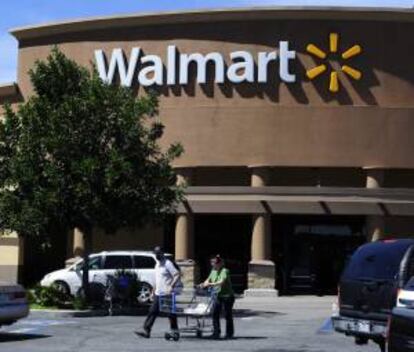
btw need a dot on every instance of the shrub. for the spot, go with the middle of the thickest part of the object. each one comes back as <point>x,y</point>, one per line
<point>79,303</point>
<point>48,297</point>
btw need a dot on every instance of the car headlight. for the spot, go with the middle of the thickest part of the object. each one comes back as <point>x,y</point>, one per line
<point>47,277</point>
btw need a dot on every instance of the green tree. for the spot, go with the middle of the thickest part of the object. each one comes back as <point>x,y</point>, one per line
<point>82,153</point>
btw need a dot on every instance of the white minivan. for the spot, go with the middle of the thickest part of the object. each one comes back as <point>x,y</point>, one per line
<point>69,280</point>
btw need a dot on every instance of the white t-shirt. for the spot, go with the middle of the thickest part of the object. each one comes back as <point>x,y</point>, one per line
<point>164,276</point>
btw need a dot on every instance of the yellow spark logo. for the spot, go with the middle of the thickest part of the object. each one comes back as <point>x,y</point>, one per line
<point>333,48</point>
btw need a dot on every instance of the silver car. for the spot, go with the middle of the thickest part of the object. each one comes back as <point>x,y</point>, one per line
<point>13,303</point>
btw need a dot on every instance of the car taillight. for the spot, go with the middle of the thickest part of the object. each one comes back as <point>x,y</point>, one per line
<point>17,295</point>
<point>398,295</point>
<point>336,305</point>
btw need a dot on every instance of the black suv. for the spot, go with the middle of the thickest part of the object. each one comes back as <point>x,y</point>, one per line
<point>368,288</point>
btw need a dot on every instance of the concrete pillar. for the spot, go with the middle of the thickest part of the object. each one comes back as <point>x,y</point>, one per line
<point>261,237</point>
<point>375,224</point>
<point>260,176</point>
<point>76,246</point>
<point>78,243</point>
<point>262,275</point>
<point>20,270</point>
<point>375,178</point>
<point>11,257</point>
<point>184,237</point>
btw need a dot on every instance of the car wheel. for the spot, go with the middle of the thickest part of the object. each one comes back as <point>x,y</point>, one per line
<point>144,293</point>
<point>62,287</point>
<point>359,340</point>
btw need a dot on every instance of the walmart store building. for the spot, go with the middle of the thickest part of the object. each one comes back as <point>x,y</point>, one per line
<point>298,127</point>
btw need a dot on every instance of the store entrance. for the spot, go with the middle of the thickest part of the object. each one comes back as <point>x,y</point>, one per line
<point>229,236</point>
<point>313,251</point>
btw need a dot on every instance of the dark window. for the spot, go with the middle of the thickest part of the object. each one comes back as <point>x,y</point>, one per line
<point>95,263</point>
<point>410,285</point>
<point>118,262</point>
<point>324,230</point>
<point>410,265</point>
<point>144,262</point>
<point>380,261</point>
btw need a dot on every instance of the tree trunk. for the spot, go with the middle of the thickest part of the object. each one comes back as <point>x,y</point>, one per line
<point>87,238</point>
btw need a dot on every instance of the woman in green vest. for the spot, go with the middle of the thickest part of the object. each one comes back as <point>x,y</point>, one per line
<point>219,279</point>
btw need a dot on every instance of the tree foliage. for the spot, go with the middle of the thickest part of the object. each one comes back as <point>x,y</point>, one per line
<point>81,153</point>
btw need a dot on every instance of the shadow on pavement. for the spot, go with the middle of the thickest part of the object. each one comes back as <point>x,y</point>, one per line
<point>14,337</point>
<point>243,313</point>
<point>247,338</point>
<point>141,311</point>
<point>273,350</point>
<point>237,313</point>
<point>236,338</point>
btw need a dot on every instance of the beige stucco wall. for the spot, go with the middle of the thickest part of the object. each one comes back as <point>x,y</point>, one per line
<point>368,123</point>
<point>129,239</point>
<point>399,227</point>
<point>11,257</point>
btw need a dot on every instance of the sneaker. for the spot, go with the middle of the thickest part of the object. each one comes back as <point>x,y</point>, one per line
<point>143,333</point>
<point>229,337</point>
<point>215,336</point>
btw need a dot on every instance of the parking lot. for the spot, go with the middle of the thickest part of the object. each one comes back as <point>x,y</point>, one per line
<point>290,324</point>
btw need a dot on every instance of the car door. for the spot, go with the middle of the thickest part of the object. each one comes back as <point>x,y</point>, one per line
<point>74,275</point>
<point>145,268</point>
<point>95,269</point>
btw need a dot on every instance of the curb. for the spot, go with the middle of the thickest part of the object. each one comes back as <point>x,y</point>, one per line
<point>89,313</point>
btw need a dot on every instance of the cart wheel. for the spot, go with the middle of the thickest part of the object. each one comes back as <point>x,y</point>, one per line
<point>199,334</point>
<point>167,336</point>
<point>176,336</point>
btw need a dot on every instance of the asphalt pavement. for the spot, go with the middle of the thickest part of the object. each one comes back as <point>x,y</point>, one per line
<point>288,324</point>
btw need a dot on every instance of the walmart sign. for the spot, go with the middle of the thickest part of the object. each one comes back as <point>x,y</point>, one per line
<point>147,70</point>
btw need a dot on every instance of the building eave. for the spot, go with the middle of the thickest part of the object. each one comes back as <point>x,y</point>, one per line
<point>214,15</point>
<point>9,90</point>
<point>299,200</point>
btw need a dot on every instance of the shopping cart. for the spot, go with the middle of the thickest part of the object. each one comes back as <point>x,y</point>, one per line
<point>195,308</point>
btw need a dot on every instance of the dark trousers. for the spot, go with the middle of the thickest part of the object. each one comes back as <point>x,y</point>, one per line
<point>154,312</point>
<point>225,303</point>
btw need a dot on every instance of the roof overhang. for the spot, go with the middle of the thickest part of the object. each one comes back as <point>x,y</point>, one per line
<point>215,15</point>
<point>8,90</point>
<point>299,200</point>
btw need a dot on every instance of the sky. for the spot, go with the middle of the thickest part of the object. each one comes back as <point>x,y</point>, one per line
<point>16,13</point>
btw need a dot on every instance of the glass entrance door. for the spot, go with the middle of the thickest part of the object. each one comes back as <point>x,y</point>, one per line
<point>314,252</point>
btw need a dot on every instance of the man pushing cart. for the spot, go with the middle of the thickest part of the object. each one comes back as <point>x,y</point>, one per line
<point>167,284</point>
<point>208,299</point>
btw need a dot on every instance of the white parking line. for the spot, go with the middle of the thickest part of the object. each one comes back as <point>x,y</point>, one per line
<point>31,326</point>
<point>22,331</point>
<point>46,322</point>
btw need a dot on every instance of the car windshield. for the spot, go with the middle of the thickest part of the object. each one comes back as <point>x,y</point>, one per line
<point>410,284</point>
<point>94,264</point>
<point>376,262</point>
